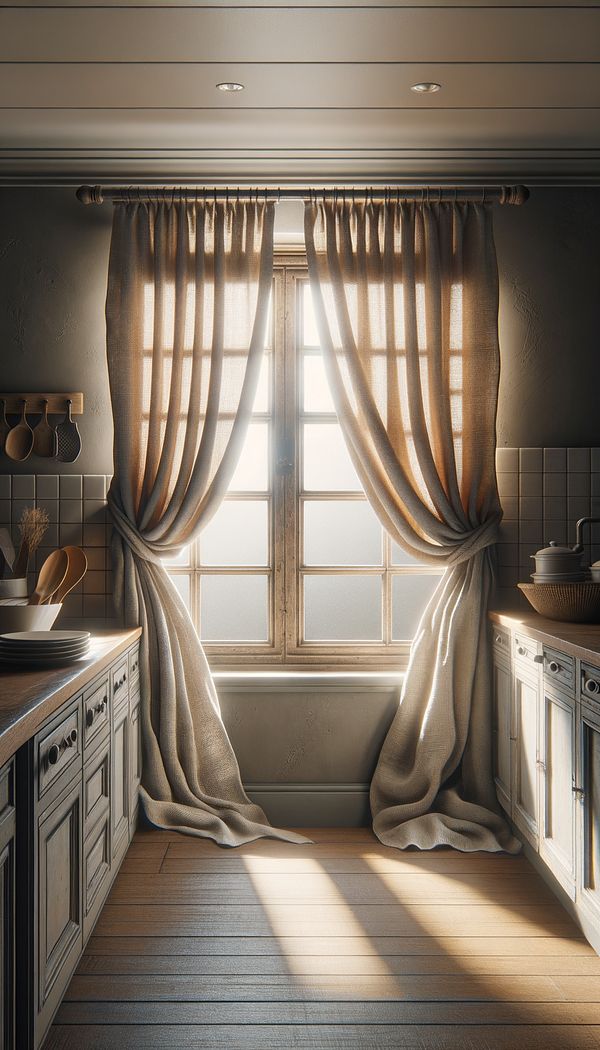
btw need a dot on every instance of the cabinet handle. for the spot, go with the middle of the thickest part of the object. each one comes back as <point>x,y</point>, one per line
<point>53,754</point>
<point>554,667</point>
<point>56,750</point>
<point>120,682</point>
<point>579,792</point>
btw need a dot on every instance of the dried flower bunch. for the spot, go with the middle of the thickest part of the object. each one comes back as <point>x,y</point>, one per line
<point>32,528</point>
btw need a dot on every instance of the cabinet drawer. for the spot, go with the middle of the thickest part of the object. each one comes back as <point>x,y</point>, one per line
<point>96,871</point>
<point>58,749</point>
<point>527,650</point>
<point>134,664</point>
<point>590,684</point>
<point>119,681</point>
<point>96,788</point>
<point>501,640</point>
<point>560,670</point>
<point>96,712</point>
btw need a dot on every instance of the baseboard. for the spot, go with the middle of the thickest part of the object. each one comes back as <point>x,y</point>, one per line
<point>314,805</point>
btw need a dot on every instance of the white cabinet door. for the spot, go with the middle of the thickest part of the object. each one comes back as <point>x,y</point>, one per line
<point>558,803</point>
<point>525,754</point>
<point>502,711</point>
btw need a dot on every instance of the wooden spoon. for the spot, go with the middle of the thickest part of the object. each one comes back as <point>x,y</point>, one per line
<point>75,572</point>
<point>51,576</point>
<point>44,436</point>
<point>19,440</point>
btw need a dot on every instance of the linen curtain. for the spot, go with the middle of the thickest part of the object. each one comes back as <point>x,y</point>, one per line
<point>186,311</point>
<point>406,298</point>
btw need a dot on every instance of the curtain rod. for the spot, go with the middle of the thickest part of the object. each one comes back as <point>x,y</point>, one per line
<point>432,193</point>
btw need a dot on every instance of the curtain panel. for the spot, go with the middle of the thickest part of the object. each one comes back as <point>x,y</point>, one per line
<point>186,312</point>
<point>406,298</point>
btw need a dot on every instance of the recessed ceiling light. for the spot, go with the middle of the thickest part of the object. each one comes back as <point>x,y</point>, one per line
<point>426,88</point>
<point>230,86</point>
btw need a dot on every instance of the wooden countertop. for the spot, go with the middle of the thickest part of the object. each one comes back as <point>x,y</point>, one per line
<point>28,698</point>
<point>581,640</point>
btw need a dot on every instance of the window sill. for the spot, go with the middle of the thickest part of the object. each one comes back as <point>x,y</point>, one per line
<point>300,681</point>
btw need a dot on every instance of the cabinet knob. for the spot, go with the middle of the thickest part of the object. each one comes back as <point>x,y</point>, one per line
<point>72,738</point>
<point>539,659</point>
<point>89,717</point>
<point>498,638</point>
<point>578,791</point>
<point>554,667</point>
<point>521,651</point>
<point>53,754</point>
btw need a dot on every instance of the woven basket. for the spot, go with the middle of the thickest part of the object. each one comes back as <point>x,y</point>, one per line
<point>569,602</point>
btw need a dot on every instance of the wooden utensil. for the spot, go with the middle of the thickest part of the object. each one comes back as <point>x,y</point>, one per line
<point>44,436</point>
<point>77,566</point>
<point>4,427</point>
<point>19,440</point>
<point>51,575</point>
<point>69,440</point>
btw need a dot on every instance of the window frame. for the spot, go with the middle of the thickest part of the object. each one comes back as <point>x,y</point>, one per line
<point>286,648</point>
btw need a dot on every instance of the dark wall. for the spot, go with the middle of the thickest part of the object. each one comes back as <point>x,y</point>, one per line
<point>53,266</point>
<point>53,262</point>
<point>549,262</point>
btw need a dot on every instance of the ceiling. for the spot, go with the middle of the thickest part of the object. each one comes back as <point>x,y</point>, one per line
<point>108,91</point>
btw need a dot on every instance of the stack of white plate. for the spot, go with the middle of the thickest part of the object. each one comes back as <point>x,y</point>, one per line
<point>33,649</point>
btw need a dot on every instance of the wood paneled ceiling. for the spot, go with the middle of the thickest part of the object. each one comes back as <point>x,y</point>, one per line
<point>106,91</point>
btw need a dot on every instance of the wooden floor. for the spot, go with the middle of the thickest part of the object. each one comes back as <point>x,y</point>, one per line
<point>342,944</point>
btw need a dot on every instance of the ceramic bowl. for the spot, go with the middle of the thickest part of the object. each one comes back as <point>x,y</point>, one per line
<point>27,617</point>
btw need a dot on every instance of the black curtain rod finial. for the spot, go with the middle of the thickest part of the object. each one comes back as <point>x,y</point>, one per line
<point>90,195</point>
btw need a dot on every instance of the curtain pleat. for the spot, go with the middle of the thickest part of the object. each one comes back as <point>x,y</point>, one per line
<point>186,311</point>
<point>406,298</point>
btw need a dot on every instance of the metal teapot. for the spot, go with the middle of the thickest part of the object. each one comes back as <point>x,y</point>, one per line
<point>556,563</point>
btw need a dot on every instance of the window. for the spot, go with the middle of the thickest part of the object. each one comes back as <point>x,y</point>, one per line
<point>295,568</point>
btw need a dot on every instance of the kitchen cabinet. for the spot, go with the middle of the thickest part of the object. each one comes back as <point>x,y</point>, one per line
<point>7,906</point>
<point>588,792</point>
<point>74,796</point>
<point>502,718</point>
<point>120,780</point>
<point>552,767</point>
<point>558,800</point>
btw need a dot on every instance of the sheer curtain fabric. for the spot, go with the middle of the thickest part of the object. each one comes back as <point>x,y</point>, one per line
<point>406,297</point>
<point>187,304</point>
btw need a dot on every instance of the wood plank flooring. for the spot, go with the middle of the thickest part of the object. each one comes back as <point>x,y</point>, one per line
<point>340,945</point>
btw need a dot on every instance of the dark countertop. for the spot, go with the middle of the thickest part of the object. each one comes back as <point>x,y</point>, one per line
<point>580,640</point>
<point>28,698</point>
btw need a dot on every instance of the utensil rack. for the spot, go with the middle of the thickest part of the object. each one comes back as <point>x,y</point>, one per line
<point>57,404</point>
